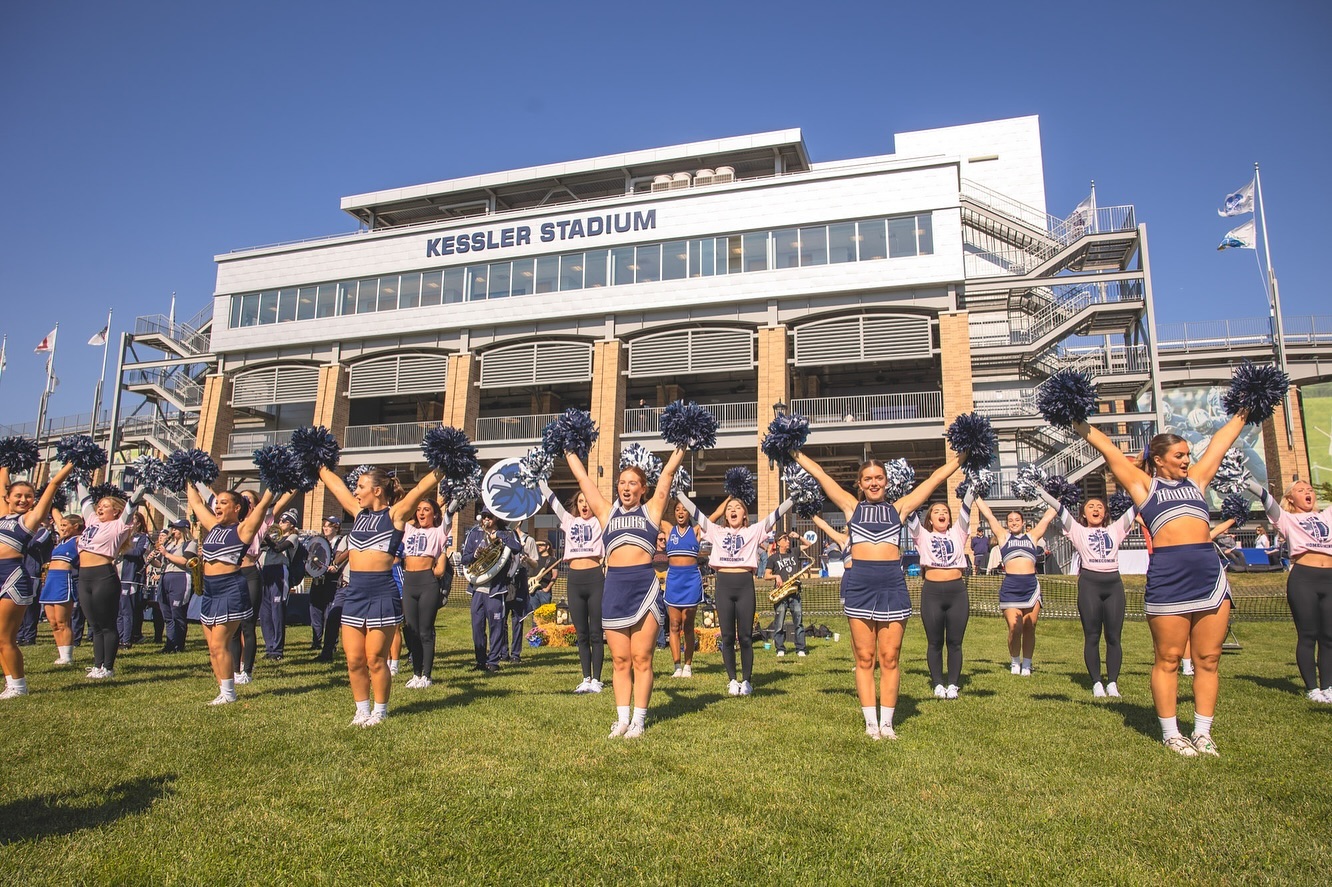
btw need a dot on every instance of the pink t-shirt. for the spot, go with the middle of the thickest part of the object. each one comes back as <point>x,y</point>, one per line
<point>102,537</point>
<point>264,527</point>
<point>946,550</point>
<point>733,547</point>
<point>424,541</point>
<point>1304,530</point>
<point>582,535</point>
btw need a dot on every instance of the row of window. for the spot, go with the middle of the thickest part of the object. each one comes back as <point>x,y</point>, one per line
<point>803,247</point>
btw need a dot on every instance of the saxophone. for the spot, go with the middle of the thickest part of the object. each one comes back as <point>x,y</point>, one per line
<point>790,586</point>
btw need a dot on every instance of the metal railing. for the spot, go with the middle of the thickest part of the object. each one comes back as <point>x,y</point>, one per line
<point>191,339</point>
<point>1204,335</point>
<point>172,380</point>
<point>1059,304</point>
<point>1005,404</point>
<point>176,434</point>
<point>59,425</point>
<point>400,434</point>
<point>870,408</point>
<point>512,428</point>
<point>742,416</point>
<point>1117,360</point>
<point>242,443</point>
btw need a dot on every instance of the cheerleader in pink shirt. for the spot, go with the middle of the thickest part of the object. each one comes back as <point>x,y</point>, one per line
<point>944,605</point>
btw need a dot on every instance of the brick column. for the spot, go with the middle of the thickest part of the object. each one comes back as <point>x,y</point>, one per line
<point>462,404</point>
<point>609,389</point>
<point>216,419</point>
<point>1283,461</point>
<point>955,364</point>
<point>773,385</point>
<point>332,410</point>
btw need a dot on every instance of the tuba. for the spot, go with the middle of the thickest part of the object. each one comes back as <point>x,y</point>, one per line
<point>790,586</point>
<point>491,559</point>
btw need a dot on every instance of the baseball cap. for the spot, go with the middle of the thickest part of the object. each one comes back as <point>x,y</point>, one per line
<point>334,520</point>
<point>180,524</point>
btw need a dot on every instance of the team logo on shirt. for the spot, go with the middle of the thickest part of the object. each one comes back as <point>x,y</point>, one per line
<point>941,547</point>
<point>732,543</point>
<point>1316,527</point>
<point>1098,543</point>
<point>580,534</point>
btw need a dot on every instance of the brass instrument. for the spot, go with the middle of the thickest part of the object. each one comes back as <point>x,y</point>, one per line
<point>195,566</point>
<point>491,559</point>
<point>790,586</point>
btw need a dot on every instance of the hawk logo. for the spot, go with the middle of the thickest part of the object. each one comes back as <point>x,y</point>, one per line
<point>1316,527</point>
<point>732,543</point>
<point>1098,544</point>
<point>941,547</point>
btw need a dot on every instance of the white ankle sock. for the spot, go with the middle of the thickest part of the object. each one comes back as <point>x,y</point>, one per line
<point>623,712</point>
<point>65,652</point>
<point>1026,663</point>
<point>381,708</point>
<point>1202,724</point>
<point>871,715</point>
<point>228,687</point>
<point>20,684</point>
<point>363,706</point>
<point>886,719</point>
<point>1169,727</point>
<point>640,716</point>
<point>1015,661</point>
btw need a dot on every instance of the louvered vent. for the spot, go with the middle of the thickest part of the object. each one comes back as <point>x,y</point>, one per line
<point>399,374</point>
<point>536,363</point>
<point>680,352</point>
<point>864,337</point>
<point>270,385</point>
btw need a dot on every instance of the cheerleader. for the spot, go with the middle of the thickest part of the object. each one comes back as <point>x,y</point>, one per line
<point>21,513</point>
<point>61,587</point>
<point>245,643</point>
<point>426,570</point>
<point>372,608</point>
<point>631,603</point>
<point>229,528</point>
<point>1309,586</point>
<point>1019,592</point>
<point>584,550</point>
<point>734,559</point>
<point>944,606</point>
<point>874,591</point>
<point>1100,589</point>
<point>108,523</point>
<point>684,588</point>
<point>1187,597</point>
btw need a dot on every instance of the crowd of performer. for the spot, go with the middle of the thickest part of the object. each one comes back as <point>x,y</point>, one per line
<point>631,566</point>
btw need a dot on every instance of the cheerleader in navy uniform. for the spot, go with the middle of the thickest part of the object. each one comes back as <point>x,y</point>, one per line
<point>1019,592</point>
<point>229,528</point>
<point>684,587</point>
<point>632,609</point>
<point>372,607</point>
<point>61,588</point>
<point>21,513</point>
<point>874,591</point>
<point>584,550</point>
<point>245,642</point>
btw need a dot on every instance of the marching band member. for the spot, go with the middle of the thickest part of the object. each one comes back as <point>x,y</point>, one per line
<point>61,588</point>
<point>944,605</point>
<point>583,553</point>
<point>517,602</point>
<point>177,550</point>
<point>323,588</point>
<point>275,550</point>
<point>781,567</point>
<point>131,568</point>
<point>107,524</point>
<point>426,571</point>
<point>488,593</point>
<point>1020,591</point>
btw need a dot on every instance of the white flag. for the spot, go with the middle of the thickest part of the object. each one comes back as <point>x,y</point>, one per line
<point>1240,238</point>
<point>1238,203</point>
<point>46,344</point>
<point>100,338</point>
<point>1083,218</point>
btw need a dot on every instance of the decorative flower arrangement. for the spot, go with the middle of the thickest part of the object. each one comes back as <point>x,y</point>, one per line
<point>552,635</point>
<point>544,614</point>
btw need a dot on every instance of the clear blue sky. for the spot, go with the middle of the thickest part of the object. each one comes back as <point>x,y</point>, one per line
<point>141,139</point>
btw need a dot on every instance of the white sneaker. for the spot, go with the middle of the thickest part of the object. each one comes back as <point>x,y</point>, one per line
<point>63,661</point>
<point>243,677</point>
<point>688,671</point>
<point>733,688</point>
<point>422,682</point>
<point>1187,667</point>
<point>940,691</point>
<point>96,672</point>
<point>102,673</point>
<point>746,689</point>
<point>1026,672</point>
<point>413,683</point>
<point>678,673</point>
<point>1316,695</point>
<point>635,731</point>
<point>375,719</point>
<point>595,686</point>
<point>619,728</point>
<point>360,719</point>
<point>951,691</point>
<point>12,692</point>
<point>584,687</point>
<point>223,699</point>
<point>1180,746</point>
<point>393,667</point>
<point>1112,689</point>
<point>1204,745</point>
<point>800,653</point>
<point>1327,694</point>
<point>872,731</point>
<point>1098,690</point>
<point>92,668</point>
<point>781,653</point>
<point>886,732</point>
<point>1015,668</point>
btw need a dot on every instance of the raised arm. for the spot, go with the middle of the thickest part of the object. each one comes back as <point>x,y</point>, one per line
<point>1129,476</point>
<point>917,497</point>
<point>1270,505</point>
<point>4,491</point>
<point>830,531</point>
<point>406,506</point>
<point>771,520</point>
<point>1058,509</point>
<point>34,518</point>
<point>1120,528</point>
<point>132,506</point>
<point>250,526</point>
<point>838,496</point>
<point>704,523</point>
<point>556,507</point>
<point>1204,469</point>
<point>600,507</point>
<point>1037,533</point>
<point>662,494</point>
<point>1221,528</point>
<point>1000,530</point>
<point>206,518</point>
<point>338,488</point>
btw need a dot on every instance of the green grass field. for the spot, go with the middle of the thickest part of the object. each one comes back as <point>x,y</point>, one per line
<point>510,779</point>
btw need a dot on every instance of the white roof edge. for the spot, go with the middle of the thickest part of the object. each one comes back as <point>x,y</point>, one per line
<point>774,138</point>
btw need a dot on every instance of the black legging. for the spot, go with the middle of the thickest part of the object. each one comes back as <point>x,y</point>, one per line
<point>420,603</point>
<point>1101,607</point>
<point>943,611</point>
<point>99,596</point>
<point>584,588</point>
<point>1309,593</point>
<point>243,641</point>
<point>735,615</point>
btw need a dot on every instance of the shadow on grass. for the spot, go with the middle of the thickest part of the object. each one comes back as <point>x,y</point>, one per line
<point>1141,718</point>
<point>460,693</point>
<point>331,681</point>
<point>43,816</point>
<point>1282,685</point>
<point>1051,697</point>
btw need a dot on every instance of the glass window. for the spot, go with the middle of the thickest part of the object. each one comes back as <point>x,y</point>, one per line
<point>702,257</point>
<point>432,287</point>
<point>813,246</point>
<point>925,230</point>
<point>734,257</point>
<point>902,237</point>
<point>454,282</point>
<point>286,305</point>
<point>674,259</point>
<point>305,302</point>
<point>648,259</point>
<point>367,295</point>
<point>622,259</point>
<point>571,272</point>
<point>594,274</point>
<point>498,284</point>
<point>873,244</point>
<point>326,304</point>
<point>786,247</point>
<point>235,319</point>
<point>547,274</point>
<point>756,251</point>
<point>841,242</point>
<point>524,277</point>
<point>476,291</point>
<point>249,309</point>
<point>388,293</point>
<point>409,290</point>
<point>268,307</point>
<point>347,296</point>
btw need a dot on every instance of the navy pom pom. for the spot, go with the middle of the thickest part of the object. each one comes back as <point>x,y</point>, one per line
<point>1235,507</point>
<point>786,434</point>
<point>1232,474</point>
<point>355,474</point>
<point>60,500</point>
<point>681,483</point>
<point>901,478</point>
<point>316,447</point>
<point>982,481</point>
<point>804,491</point>
<point>1257,389</point>
<point>461,491</point>
<point>688,426</point>
<point>741,484</point>
<point>971,433</point>
<point>1068,494</point>
<point>638,456</point>
<point>98,492</point>
<point>1029,480</point>
<point>448,451</point>
<point>1118,505</point>
<point>185,467</point>
<point>81,451</point>
<point>147,471</point>
<point>280,469</point>
<point>535,467</point>
<point>573,431</point>
<point>19,453</point>
<point>1067,397</point>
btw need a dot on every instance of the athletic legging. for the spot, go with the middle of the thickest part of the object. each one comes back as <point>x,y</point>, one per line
<point>242,642</point>
<point>99,596</point>
<point>1309,593</point>
<point>735,615</point>
<point>420,604</point>
<point>944,610</point>
<point>1101,607</point>
<point>584,588</point>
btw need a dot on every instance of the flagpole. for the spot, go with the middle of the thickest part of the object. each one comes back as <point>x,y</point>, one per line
<point>1274,307</point>
<point>4,342</point>
<point>46,389</point>
<point>1093,225</point>
<point>101,380</point>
